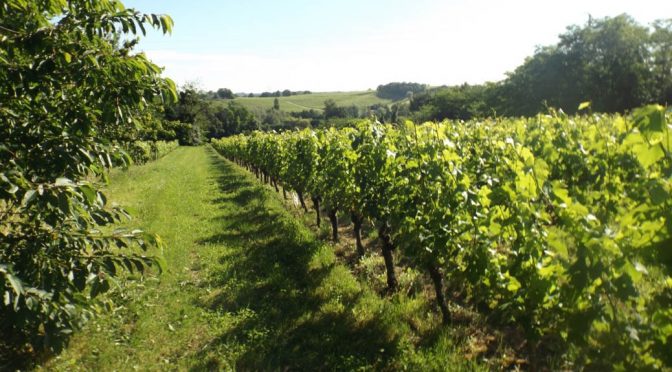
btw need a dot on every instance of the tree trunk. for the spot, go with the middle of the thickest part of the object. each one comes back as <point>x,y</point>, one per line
<point>275,184</point>
<point>334,224</point>
<point>387,248</point>
<point>437,278</point>
<point>357,222</point>
<point>284,193</point>
<point>303,202</point>
<point>316,203</point>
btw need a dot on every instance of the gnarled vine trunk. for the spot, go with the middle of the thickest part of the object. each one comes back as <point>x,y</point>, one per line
<point>303,202</point>
<point>333,217</point>
<point>387,249</point>
<point>437,279</point>
<point>357,220</point>
<point>316,204</point>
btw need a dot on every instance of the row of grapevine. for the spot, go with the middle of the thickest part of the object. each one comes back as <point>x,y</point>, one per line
<point>144,151</point>
<point>560,226</point>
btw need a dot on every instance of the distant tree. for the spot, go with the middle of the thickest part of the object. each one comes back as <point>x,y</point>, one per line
<point>250,95</point>
<point>379,111</point>
<point>606,61</point>
<point>314,116</point>
<point>276,104</point>
<point>266,94</point>
<point>457,102</point>
<point>332,110</point>
<point>397,91</point>
<point>273,118</point>
<point>661,49</point>
<point>351,111</point>
<point>309,114</point>
<point>230,120</point>
<point>388,113</point>
<point>613,62</point>
<point>277,93</point>
<point>614,55</point>
<point>286,93</point>
<point>225,93</point>
<point>190,109</point>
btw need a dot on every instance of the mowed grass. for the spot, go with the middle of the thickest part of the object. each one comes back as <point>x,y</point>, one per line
<point>247,286</point>
<point>314,101</point>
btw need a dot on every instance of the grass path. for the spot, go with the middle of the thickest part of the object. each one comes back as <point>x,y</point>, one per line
<point>247,287</point>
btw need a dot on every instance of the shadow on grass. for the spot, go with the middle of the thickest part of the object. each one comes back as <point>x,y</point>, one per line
<point>275,284</point>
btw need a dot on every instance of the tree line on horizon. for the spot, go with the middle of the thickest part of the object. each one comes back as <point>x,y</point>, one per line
<point>614,63</point>
<point>226,93</point>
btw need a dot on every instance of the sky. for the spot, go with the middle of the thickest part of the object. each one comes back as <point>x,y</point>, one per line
<point>346,45</point>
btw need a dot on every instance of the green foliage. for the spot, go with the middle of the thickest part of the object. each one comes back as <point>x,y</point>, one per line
<point>462,102</point>
<point>191,110</point>
<point>661,51</point>
<point>284,93</point>
<point>224,93</point>
<point>615,63</point>
<point>398,91</point>
<point>373,144</point>
<point>302,162</point>
<point>332,110</point>
<point>230,120</point>
<point>606,60</point>
<point>68,93</point>
<point>336,162</point>
<point>557,225</point>
<point>145,151</point>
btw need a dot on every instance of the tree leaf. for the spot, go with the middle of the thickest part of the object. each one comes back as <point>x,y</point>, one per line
<point>28,197</point>
<point>62,181</point>
<point>649,119</point>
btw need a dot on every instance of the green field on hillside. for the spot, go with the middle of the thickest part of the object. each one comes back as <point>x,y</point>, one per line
<point>313,101</point>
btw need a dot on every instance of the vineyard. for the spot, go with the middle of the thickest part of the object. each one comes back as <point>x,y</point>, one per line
<point>557,226</point>
<point>535,243</point>
<point>143,151</point>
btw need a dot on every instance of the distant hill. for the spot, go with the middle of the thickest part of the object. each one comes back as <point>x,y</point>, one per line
<point>313,101</point>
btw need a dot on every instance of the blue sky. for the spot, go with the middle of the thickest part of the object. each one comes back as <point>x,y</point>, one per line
<point>266,45</point>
